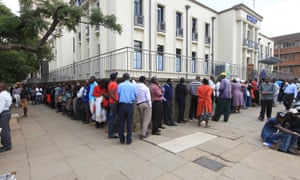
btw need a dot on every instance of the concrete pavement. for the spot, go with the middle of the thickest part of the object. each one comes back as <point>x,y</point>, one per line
<point>48,145</point>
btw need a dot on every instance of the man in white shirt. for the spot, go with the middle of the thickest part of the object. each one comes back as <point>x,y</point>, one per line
<point>144,104</point>
<point>5,103</point>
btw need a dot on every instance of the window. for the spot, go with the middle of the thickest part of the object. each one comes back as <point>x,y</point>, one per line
<point>194,29</point>
<point>179,30</point>
<point>161,27</point>
<point>160,58</point>
<point>207,33</point>
<point>206,64</point>
<point>178,60</point>
<point>137,55</point>
<point>138,8</point>
<point>138,12</point>
<point>193,62</point>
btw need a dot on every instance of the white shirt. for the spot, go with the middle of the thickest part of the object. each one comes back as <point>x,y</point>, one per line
<point>5,101</point>
<point>80,92</point>
<point>143,94</point>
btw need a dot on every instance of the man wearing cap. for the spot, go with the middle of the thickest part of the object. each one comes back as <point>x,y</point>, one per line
<point>224,99</point>
<point>273,132</point>
<point>144,105</point>
<point>5,103</point>
<point>127,95</point>
<point>112,104</point>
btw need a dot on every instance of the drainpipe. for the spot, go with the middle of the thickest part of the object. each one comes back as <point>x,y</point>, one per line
<point>187,7</point>
<point>212,44</point>
<point>150,43</point>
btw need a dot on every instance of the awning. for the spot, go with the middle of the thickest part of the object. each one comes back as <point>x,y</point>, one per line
<point>270,60</point>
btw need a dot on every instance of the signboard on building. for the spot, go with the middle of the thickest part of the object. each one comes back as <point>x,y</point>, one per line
<point>251,19</point>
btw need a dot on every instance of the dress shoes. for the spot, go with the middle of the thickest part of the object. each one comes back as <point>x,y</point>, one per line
<point>3,149</point>
<point>155,133</point>
<point>162,127</point>
<point>113,137</point>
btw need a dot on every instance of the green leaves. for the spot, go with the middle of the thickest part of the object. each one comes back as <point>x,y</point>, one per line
<point>24,39</point>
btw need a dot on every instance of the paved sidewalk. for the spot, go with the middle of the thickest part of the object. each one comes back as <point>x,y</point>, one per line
<point>48,145</point>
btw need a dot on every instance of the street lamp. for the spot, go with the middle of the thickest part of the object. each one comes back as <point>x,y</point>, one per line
<point>187,7</point>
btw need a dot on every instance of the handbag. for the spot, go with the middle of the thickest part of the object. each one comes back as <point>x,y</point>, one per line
<point>205,115</point>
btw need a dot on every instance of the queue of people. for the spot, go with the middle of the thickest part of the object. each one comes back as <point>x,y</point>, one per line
<point>112,103</point>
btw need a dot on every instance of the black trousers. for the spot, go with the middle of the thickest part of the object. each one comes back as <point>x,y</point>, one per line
<point>181,109</point>
<point>193,107</point>
<point>157,115</point>
<point>5,133</point>
<point>266,107</point>
<point>288,100</point>
<point>168,108</point>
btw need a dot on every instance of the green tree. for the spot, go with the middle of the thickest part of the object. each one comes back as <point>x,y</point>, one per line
<point>24,38</point>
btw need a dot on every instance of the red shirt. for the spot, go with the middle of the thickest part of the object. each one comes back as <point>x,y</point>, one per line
<point>156,93</point>
<point>98,91</point>
<point>113,87</point>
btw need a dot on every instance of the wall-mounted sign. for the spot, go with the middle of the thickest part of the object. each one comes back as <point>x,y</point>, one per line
<point>251,19</point>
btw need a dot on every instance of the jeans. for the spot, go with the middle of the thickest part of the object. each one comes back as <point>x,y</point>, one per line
<point>112,120</point>
<point>125,116</point>
<point>285,139</point>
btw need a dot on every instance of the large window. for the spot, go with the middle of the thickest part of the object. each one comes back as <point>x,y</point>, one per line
<point>161,27</point>
<point>206,64</point>
<point>179,30</point>
<point>193,62</point>
<point>207,33</point>
<point>137,55</point>
<point>138,12</point>
<point>160,58</point>
<point>194,29</point>
<point>178,60</point>
<point>138,8</point>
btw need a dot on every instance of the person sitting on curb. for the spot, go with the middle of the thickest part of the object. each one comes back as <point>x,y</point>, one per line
<point>274,132</point>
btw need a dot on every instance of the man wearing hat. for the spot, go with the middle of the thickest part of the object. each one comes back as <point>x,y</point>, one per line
<point>224,99</point>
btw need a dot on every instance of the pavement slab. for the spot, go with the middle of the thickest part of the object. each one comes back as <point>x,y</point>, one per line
<point>48,145</point>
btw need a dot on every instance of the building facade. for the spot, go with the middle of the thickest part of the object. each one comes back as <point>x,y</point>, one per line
<point>161,38</point>
<point>287,48</point>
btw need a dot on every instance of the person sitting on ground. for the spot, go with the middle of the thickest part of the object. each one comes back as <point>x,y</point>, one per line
<point>274,132</point>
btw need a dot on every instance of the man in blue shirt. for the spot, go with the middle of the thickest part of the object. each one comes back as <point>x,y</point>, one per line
<point>273,132</point>
<point>168,103</point>
<point>127,95</point>
<point>290,94</point>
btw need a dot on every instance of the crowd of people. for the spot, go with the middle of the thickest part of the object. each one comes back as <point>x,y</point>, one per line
<point>111,102</point>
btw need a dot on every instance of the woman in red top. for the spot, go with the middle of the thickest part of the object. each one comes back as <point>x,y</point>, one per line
<point>100,92</point>
<point>204,93</point>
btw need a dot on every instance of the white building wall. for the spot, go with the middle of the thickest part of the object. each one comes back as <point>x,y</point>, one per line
<point>230,31</point>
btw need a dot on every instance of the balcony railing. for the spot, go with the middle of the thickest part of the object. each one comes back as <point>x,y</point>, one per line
<point>161,27</point>
<point>139,20</point>
<point>179,32</point>
<point>194,36</point>
<point>124,60</point>
<point>207,40</point>
<point>250,44</point>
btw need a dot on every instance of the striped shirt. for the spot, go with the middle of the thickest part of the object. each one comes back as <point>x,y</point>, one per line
<point>193,86</point>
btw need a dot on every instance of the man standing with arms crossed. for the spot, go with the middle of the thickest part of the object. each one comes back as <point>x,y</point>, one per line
<point>5,103</point>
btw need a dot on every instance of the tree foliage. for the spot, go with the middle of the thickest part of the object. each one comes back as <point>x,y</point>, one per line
<point>24,38</point>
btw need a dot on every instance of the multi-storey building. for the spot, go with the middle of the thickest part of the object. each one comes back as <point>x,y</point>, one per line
<point>287,48</point>
<point>161,38</point>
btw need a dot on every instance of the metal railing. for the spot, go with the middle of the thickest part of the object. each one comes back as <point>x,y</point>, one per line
<point>137,63</point>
